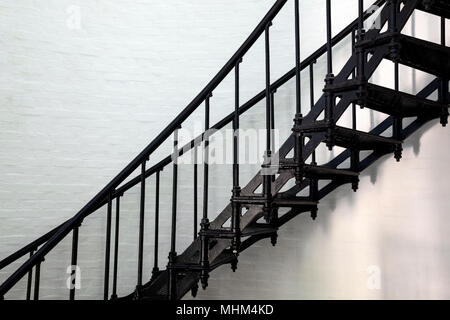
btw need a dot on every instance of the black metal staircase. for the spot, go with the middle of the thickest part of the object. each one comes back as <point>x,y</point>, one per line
<point>252,215</point>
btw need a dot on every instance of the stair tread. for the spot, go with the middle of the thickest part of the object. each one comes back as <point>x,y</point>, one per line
<point>316,171</point>
<point>389,101</point>
<point>255,229</point>
<point>397,103</point>
<point>295,202</point>
<point>411,49</point>
<point>351,138</point>
<point>324,172</point>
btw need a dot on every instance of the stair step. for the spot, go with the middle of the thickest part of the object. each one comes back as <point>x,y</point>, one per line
<point>258,229</point>
<point>419,54</point>
<point>436,7</point>
<point>352,139</point>
<point>319,172</point>
<point>278,202</point>
<point>295,202</point>
<point>388,101</point>
<point>253,229</point>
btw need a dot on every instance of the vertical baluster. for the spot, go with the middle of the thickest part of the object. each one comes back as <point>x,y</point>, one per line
<point>195,192</point>
<point>267,178</point>
<point>444,83</point>
<point>443,31</point>
<point>74,262</point>
<point>298,104</point>
<point>394,47</point>
<point>204,259</point>
<point>272,123</point>
<point>311,101</point>
<point>311,84</point>
<point>107,249</point>
<point>30,279</point>
<point>298,137</point>
<point>313,185</point>
<point>37,279</point>
<point>236,208</point>
<point>358,37</point>
<point>141,229</point>
<point>329,97</point>
<point>173,254</point>
<point>116,247</point>
<point>155,270</point>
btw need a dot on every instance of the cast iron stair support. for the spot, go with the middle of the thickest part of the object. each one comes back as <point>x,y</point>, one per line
<point>226,257</point>
<point>410,51</point>
<point>436,7</point>
<point>353,139</point>
<point>388,101</point>
<point>267,228</point>
<point>252,229</point>
<point>313,171</point>
<point>298,204</point>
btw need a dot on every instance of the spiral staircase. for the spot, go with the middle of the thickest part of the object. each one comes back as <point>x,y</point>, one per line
<point>253,215</point>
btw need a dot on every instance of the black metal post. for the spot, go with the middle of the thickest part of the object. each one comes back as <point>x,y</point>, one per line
<point>354,153</point>
<point>312,182</point>
<point>204,259</point>
<point>116,248</point>
<point>141,230</point>
<point>272,123</point>
<point>236,208</point>
<point>392,25</point>
<point>267,178</point>
<point>173,254</point>
<point>30,279</point>
<point>108,248</point>
<point>329,97</point>
<point>74,262</point>
<point>444,83</point>
<point>298,104</point>
<point>155,270</point>
<point>195,193</point>
<point>311,85</point>
<point>37,279</point>
<point>313,158</point>
<point>360,37</point>
<point>298,137</point>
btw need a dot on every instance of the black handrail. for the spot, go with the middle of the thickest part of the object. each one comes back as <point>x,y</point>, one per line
<point>195,142</point>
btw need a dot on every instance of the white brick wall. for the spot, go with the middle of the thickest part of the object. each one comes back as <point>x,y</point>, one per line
<point>81,95</point>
